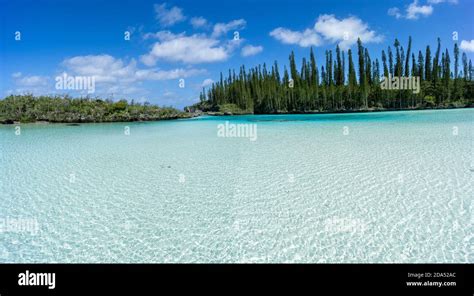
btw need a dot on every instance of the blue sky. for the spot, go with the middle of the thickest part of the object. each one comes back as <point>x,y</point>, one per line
<point>194,40</point>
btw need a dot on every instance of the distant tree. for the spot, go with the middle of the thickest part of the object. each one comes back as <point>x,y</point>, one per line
<point>428,64</point>
<point>362,73</point>
<point>407,71</point>
<point>421,65</point>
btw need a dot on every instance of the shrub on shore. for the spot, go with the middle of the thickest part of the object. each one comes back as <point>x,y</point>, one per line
<point>29,108</point>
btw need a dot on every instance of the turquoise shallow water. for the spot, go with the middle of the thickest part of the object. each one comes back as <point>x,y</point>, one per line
<point>378,187</point>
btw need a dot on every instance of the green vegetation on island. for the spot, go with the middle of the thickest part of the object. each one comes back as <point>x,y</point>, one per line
<point>339,86</point>
<point>64,109</point>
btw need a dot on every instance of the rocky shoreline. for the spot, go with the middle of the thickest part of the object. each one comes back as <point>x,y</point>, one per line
<point>13,122</point>
<point>217,113</point>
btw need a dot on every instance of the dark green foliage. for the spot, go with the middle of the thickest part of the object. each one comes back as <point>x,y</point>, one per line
<point>263,91</point>
<point>28,108</point>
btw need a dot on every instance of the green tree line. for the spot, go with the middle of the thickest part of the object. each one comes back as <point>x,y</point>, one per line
<point>338,85</point>
<point>28,108</point>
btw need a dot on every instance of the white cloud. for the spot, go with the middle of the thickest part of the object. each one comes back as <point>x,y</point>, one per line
<point>162,35</point>
<point>168,17</point>
<point>414,11</point>
<point>304,39</point>
<point>250,50</point>
<point>207,82</point>
<point>233,44</point>
<point>117,77</point>
<point>172,98</point>
<point>155,74</point>
<point>32,81</point>
<point>108,69</point>
<point>442,1</point>
<point>198,22</point>
<point>104,68</point>
<point>345,31</point>
<point>467,45</point>
<point>112,76</point>
<point>36,84</point>
<point>395,11</point>
<point>222,28</point>
<point>328,28</point>
<point>187,49</point>
<point>122,91</point>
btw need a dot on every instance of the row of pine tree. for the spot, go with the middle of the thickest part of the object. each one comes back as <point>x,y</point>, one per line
<point>339,85</point>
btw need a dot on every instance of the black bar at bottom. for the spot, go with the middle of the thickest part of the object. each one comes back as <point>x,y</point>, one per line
<point>325,279</point>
